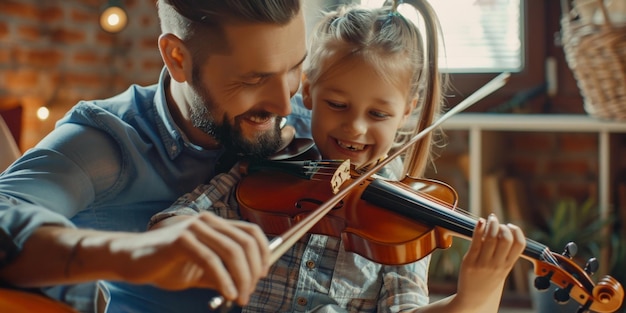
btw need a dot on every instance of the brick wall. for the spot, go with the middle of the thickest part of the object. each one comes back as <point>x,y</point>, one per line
<point>53,53</point>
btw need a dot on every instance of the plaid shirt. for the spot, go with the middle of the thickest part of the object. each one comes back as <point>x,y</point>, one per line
<point>317,274</point>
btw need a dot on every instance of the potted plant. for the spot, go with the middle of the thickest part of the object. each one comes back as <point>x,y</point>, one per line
<point>444,266</point>
<point>570,221</point>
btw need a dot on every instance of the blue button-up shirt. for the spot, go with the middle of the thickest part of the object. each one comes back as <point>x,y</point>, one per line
<point>110,165</point>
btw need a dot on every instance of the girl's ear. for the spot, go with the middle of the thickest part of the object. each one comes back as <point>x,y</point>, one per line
<point>176,57</point>
<point>306,93</point>
<point>409,109</point>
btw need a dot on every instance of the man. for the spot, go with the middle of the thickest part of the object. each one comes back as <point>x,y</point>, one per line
<point>73,208</point>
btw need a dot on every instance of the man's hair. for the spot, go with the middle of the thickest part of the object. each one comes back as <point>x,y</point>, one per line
<point>199,23</point>
<point>186,17</point>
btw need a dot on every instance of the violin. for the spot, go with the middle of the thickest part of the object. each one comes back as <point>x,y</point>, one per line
<point>399,222</point>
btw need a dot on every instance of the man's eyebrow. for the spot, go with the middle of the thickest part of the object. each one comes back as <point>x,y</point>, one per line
<point>301,61</point>
<point>267,74</point>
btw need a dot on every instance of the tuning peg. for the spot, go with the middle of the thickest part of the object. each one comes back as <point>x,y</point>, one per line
<point>592,266</point>
<point>561,295</point>
<point>570,250</point>
<point>543,282</point>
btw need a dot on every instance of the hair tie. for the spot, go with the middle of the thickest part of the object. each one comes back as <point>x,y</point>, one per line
<point>394,8</point>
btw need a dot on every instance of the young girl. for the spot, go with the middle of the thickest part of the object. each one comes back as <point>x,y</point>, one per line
<point>371,84</point>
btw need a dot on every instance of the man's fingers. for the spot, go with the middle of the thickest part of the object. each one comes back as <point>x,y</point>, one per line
<point>243,254</point>
<point>261,244</point>
<point>215,273</point>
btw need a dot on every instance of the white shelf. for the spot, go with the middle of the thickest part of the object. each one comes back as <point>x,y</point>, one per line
<point>532,122</point>
<point>481,125</point>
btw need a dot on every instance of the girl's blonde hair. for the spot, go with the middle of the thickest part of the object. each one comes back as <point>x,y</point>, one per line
<point>395,46</point>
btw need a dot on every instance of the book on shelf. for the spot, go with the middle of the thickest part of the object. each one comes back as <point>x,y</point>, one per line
<point>506,197</point>
<point>492,195</point>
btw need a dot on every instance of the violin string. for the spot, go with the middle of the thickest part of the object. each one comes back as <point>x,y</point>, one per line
<point>322,164</point>
<point>324,168</point>
<point>549,257</point>
<point>545,251</point>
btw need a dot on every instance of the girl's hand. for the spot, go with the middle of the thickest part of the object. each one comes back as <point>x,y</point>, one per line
<point>492,254</point>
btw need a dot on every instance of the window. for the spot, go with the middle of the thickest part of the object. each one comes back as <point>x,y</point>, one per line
<point>476,52</point>
<point>481,36</point>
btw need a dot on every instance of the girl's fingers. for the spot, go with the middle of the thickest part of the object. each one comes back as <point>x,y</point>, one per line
<point>519,241</point>
<point>489,240</point>
<point>476,245</point>
<point>503,240</point>
<point>494,244</point>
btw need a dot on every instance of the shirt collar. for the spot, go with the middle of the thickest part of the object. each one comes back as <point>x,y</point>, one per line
<point>173,137</point>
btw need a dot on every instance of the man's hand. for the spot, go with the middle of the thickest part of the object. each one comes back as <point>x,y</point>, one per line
<point>229,256</point>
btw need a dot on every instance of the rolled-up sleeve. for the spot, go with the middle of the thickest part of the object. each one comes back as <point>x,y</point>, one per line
<point>52,182</point>
<point>405,287</point>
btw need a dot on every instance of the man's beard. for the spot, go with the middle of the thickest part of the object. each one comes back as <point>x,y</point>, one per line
<point>230,135</point>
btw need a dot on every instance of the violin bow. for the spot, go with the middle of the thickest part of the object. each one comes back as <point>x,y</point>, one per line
<point>279,245</point>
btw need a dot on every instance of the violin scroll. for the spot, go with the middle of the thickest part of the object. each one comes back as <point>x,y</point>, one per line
<point>574,282</point>
<point>609,293</point>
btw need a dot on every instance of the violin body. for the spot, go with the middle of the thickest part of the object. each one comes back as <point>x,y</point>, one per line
<point>373,232</point>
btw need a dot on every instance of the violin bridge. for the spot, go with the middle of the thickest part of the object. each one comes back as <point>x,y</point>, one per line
<point>341,175</point>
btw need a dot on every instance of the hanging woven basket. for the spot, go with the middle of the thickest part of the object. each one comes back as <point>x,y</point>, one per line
<point>596,54</point>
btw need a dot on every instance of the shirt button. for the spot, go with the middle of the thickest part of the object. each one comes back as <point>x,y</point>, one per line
<point>310,264</point>
<point>301,301</point>
<point>174,148</point>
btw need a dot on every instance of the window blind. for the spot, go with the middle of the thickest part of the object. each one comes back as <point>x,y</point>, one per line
<point>480,36</point>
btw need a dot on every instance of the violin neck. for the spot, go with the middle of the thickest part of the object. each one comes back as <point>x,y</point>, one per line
<point>307,169</point>
<point>388,195</point>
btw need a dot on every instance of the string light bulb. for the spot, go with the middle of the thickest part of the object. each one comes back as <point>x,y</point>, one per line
<point>43,113</point>
<point>113,18</point>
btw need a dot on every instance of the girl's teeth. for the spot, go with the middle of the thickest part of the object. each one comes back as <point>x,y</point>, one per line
<point>353,147</point>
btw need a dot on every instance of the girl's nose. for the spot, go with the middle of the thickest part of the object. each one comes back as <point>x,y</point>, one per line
<point>355,126</point>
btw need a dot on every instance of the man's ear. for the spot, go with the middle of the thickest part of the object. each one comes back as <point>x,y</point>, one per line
<point>176,57</point>
<point>306,93</point>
